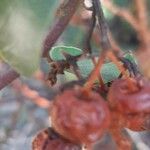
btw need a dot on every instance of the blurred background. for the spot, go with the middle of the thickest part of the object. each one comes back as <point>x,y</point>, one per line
<point>23,26</point>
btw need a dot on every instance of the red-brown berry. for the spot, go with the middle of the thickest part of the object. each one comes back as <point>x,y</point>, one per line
<point>80,118</point>
<point>132,107</point>
<point>137,122</point>
<point>121,98</point>
<point>48,139</point>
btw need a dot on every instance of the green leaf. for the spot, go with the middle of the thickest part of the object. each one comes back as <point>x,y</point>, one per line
<point>109,71</point>
<point>17,43</point>
<point>69,76</point>
<point>23,24</point>
<point>85,67</point>
<point>130,56</point>
<point>56,53</point>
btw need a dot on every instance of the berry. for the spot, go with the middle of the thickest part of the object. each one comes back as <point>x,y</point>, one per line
<point>121,98</point>
<point>137,122</point>
<point>48,139</point>
<point>79,117</point>
<point>132,108</point>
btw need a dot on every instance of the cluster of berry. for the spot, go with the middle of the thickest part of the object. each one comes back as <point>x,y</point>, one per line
<point>83,117</point>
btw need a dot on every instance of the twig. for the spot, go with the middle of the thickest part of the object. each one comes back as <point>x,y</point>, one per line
<point>92,23</point>
<point>106,46</point>
<point>32,95</point>
<point>95,72</point>
<point>87,45</point>
<point>105,43</point>
<point>35,97</point>
<point>7,75</point>
<point>78,20</point>
<point>90,31</point>
<point>60,25</point>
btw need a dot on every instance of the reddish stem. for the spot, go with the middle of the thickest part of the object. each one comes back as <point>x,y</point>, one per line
<point>95,73</point>
<point>99,76</point>
<point>7,75</point>
<point>32,95</point>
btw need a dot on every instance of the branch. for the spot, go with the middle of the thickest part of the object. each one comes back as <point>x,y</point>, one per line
<point>31,94</point>
<point>106,47</point>
<point>124,13</point>
<point>105,43</point>
<point>7,75</point>
<point>60,24</point>
<point>91,25</point>
<point>35,97</point>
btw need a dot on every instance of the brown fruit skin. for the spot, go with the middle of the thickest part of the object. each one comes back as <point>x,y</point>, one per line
<point>61,145</point>
<point>137,122</point>
<point>45,140</point>
<point>127,102</point>
<point>80,119</point>
<point>132,107</point>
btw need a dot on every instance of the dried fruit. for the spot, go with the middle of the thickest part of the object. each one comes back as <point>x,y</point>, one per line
<point>121,98</point>
<point>48,139</point>
<point>133,107</point>
<point>137,122</point>
<point>79,117</point>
